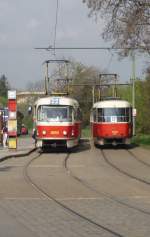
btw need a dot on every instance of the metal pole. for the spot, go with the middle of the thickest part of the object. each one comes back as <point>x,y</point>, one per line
<point>67,77</point>
<point>133,88</point>
<point>46,78</point>
<point>115,88</point>
<point>93,94</point>
<point>100,88</point>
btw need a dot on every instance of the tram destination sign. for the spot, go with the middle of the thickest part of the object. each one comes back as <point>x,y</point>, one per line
<point>54,101</point>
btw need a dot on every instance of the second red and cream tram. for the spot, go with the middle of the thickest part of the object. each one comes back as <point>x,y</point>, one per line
<point>57,122</point>
<point>111,122</point>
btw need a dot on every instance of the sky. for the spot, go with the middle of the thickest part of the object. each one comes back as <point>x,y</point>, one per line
<point>25,25</point>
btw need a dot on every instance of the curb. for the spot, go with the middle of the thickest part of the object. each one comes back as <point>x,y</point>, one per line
<point>17,155</point>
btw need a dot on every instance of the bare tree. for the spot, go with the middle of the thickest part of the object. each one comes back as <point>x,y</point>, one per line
<point>35,86</point>
<point>127,22</point>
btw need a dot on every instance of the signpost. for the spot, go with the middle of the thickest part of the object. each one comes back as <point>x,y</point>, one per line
<point>12,120</point>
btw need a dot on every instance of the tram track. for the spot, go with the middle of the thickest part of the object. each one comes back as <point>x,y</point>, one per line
<point>50,197</point>
<point>138,159</point>
<point>120,170</point>
<point>104,194</point>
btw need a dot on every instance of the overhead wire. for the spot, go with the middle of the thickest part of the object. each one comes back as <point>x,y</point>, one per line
<point>55,36</point>
<point>56,23</point>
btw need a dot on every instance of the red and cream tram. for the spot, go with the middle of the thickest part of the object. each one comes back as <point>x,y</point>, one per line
<point>57,122</point>
<point>111,122</point>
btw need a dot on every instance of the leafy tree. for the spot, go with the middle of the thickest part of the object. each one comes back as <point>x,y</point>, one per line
<point>83,76</point>
<point>4,86</point>
<point>20,117</point>
<point>127,22</point>
<point>3,101</point>
<point>35,86</point>
<point>142,103</point>
<point>146,103</point>
<point>23,108</point>
<point>80,87</point>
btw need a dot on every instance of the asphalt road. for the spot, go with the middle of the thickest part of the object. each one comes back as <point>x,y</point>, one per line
<point>88,192</point>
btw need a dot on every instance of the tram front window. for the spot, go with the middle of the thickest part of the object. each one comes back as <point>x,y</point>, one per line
<point>114,115</point>
<point>54,114</point>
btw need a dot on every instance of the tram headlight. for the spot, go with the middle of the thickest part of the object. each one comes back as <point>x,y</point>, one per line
<point>65,133</point>
<point>44,132</point>
<point>72,133</point>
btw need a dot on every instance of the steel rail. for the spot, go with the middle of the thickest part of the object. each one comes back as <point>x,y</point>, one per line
<point>65,207</point>
<point>122,171</point>
<point>104,194</point>
<point>138,159</point>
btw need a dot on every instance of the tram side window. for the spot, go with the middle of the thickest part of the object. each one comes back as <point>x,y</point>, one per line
<point>124,115</point>
<point>104,115</point>
<point>79,115</point>
<point>129,114</point>
<point>75,114</point>
<point>70,113</point>
<point>39,113</point>
<point>42,113</point>
<point>34,113</point>
<point>94,115</point>
<point>121,114</point>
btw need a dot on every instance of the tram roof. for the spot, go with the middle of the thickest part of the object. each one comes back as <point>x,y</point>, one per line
<point>56,101</point>
<point>112,104</point>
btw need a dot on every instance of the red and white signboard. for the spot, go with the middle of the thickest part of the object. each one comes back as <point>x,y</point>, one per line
<point>12,119</point>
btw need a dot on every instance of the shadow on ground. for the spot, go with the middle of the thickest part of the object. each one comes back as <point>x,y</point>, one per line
<point>83,146</point>
<point>118,147</point>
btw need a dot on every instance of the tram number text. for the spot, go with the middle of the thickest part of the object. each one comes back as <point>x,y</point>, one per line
<point>54,101</point>
<point>54,132</point>
<point>114,119</point>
